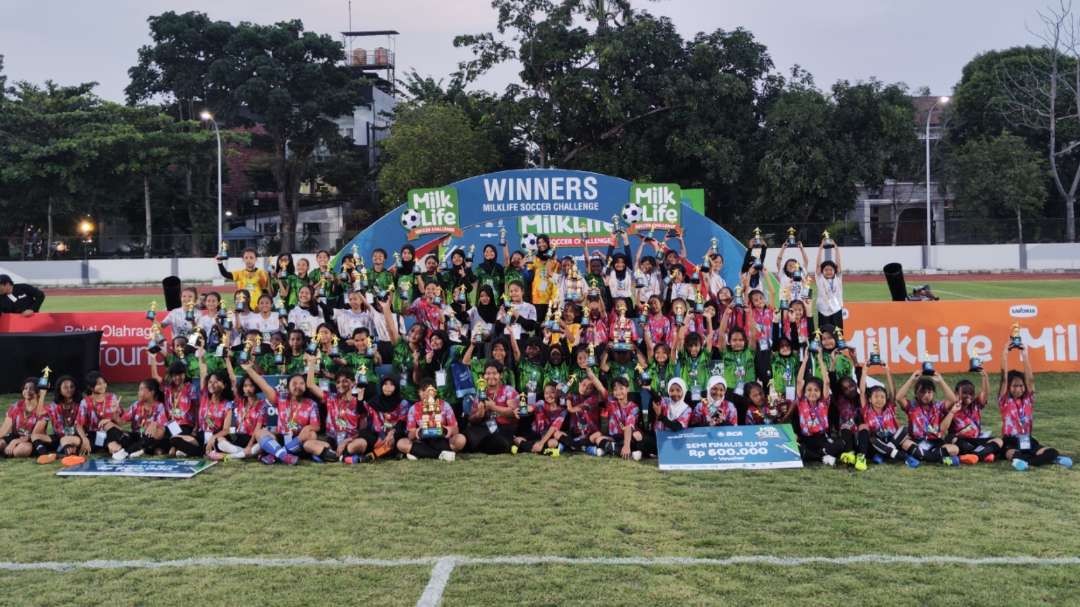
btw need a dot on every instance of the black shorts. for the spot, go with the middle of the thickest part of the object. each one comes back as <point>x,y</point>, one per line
<point>239,439</point>
<point>1013,443</point>
<point>438,444</point>
<point>11,437</point>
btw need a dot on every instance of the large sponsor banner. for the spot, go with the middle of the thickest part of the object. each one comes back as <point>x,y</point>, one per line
<point>949,333</point>
<point>729,448</point>
<point>653,206</point>
<point>431,211</point>
<point>124,336</point>
<point>147,468</point>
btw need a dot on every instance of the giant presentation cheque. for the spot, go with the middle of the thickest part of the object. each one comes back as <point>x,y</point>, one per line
<point>729,448</point>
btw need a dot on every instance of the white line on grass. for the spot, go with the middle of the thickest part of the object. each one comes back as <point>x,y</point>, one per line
<point>440,575</point>
<point>443,566</point>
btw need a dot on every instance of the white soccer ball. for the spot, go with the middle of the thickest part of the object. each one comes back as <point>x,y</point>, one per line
<point>528,242</point>
<point>631,213</point>
<point>410,219</point>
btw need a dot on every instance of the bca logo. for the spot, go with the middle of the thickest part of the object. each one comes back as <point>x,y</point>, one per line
<point>1024,311</point>
<point>767,432</point>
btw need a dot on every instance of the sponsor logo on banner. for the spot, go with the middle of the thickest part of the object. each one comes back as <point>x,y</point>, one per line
<point>951,332</point>
<point>729,448</point>
<point>431,211</point>
<point>653,206</point>
<point>1024,311</point>
<point>540,194</point>
<point>123,356</point>
<point>564,231</point>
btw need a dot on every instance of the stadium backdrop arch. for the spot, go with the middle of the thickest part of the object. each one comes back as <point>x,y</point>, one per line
<point>563,204</point>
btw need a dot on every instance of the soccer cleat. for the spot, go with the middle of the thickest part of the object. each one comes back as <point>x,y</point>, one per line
<point>970,459</point>
<point>330,456</point>
<point>912,462</point>
<point>513,449</point>
<point>989,458</point>
<point>635,455</point>
<point>447,456</point>
<point>594,451</point>
<point>138,453</point>
<point>268,458</point>
<point>860,462</point>
<point>951,460</point>
<point>1019,464</point>
<point>120,455</point>
<point>877,459</point>
<point>290,459</point>
<point>350,459</point>
<point>316,459</point>
<point>1063,461</point>
<point>847,458</point>
<point>410,457</point>
<point>828,460</point>
<point>48,458</point>
<point>551,451</point>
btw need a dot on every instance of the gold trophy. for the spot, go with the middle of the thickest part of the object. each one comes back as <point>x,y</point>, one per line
<point>874,360</point>
<point>523,406</point>
<point>43,381</point>
<point>679,309</point>
<point>785,298</point>
<point>927,366</point>
<point>151,314</point>
<point>153,345</point>
<point>1015,341</point>
<point>828,244</point>
<point>591,361</point>
<point>223,251</point>
<point>757,249</point>
<point>974,361</point>
<point>189,312</point>
<point>791,241</point>
<point>279,354</point>
<point>431,419</point>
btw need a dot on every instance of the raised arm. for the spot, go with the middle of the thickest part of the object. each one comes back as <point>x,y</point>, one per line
<point>270,392</point>
<point>862,389</point>
<point>1003,389</point>
<point>1029,375</point>
<point>984,387</point>
<point>313,385</point>
<point>800,381</point>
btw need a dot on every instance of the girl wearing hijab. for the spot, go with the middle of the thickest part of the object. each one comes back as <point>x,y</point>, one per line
<point>404,278</point>
<point>672,412</point>
<point>392,412</point>
<point>484,316</point>
<point>715,409</point>
<point>459,278</point>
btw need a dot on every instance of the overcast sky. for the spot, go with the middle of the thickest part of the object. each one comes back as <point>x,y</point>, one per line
<point>919,42</point>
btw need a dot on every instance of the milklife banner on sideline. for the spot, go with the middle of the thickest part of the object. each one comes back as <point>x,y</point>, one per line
<point>729,448</point>
<point>150,468</point>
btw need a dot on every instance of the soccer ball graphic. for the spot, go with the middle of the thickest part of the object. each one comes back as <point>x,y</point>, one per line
<point>631,213</point>
<point>410,219</point>
<point>528,242</point>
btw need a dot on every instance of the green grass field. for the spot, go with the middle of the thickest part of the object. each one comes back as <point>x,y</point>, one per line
<point>483,506</point>
<point>853,291</point>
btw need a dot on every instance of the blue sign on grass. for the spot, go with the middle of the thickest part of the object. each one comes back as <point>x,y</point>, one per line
<point>729,448</point>
<point>153,468</point>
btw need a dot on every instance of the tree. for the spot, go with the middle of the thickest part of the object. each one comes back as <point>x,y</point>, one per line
<point>431,145</point>
<point>1044,95</point>
<point>604,87</point>
<point>998,178</point>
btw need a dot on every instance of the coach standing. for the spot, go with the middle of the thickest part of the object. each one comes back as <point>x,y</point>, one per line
<point>19,298</point>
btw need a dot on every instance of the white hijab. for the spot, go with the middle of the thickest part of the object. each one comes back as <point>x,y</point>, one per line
<point>676,408</point>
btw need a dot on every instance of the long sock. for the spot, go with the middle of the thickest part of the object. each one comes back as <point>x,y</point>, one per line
<point>293,446</point>
<point>862,442</point>
<point>40,447</point>
<point>225,446</point>
<point>270,445</point>
<point>1046,457</point>
<point>114,435</point>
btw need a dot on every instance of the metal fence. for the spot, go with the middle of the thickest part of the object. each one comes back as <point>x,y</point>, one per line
<point>958,230</point>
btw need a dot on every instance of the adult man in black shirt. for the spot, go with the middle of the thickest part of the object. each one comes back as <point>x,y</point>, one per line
<point>19,298</point>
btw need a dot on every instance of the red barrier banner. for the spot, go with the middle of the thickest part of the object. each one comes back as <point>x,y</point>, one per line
<point>123,337</point>
<point>947,332</point>
<point>944,332</point>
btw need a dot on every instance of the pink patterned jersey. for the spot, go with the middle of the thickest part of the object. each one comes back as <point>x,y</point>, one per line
<point>967,422</point>
<point>684,418</point>
<point>619,417</point>
<point>925,421</point>
<point>347,416</point>
<point>180,405</point>
<point>141,416</point>
<point>1016,414</point>
<point>446,415</point>
<point>586,420</point>
<point>389,420</point>
<point>249,416</point>
<point>23,421</point>
<point>660,329</point>
<point>813,417</point>
<point>846,412</point>
<point>295,415</point>
<point>212,414</point>
<point>504,396</point>
<point>64,418</point>
<point>715,413</point>
<point>547,417</point>
<point>881,421</point>
<point>92,413</point>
